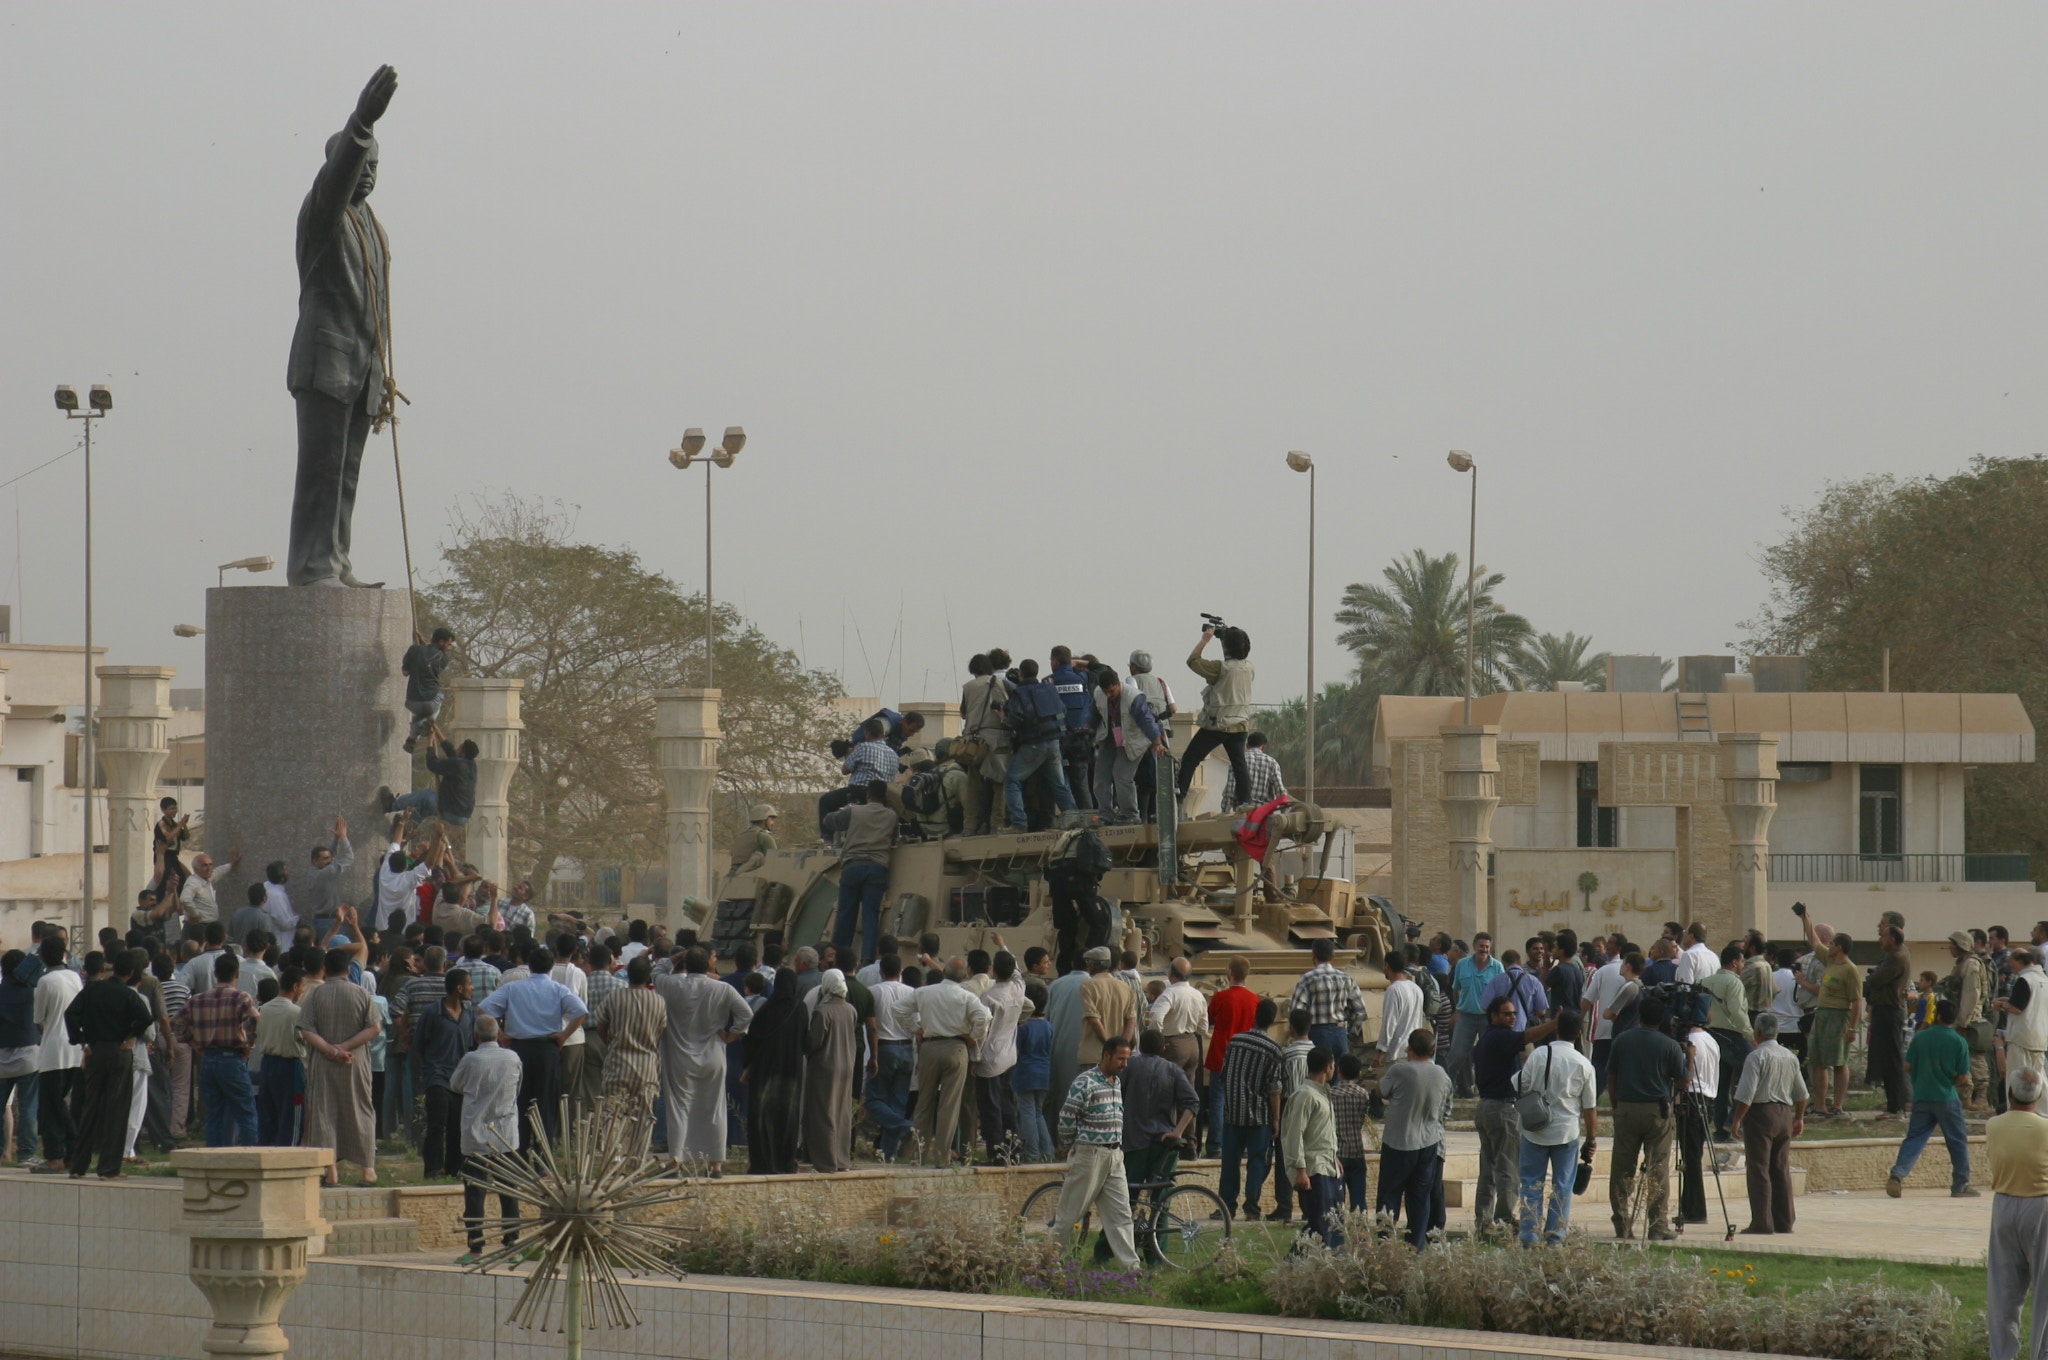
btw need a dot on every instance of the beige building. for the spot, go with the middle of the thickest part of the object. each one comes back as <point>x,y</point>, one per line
<point>1623,810</point>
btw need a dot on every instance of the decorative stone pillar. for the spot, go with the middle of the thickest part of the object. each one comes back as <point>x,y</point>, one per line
<point>686,752</point>
<point>940,720</point>
<point>486,711</point>
<point>1471,762</point>
<point>134,719</point>
<point>250,1214</point>
<point>1749,798</point>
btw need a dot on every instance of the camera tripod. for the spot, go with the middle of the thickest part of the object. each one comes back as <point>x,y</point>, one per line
<point>1693,1103</point>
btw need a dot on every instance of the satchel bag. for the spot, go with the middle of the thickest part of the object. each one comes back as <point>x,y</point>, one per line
<point>968,751</point>
<point>1533,1107</point>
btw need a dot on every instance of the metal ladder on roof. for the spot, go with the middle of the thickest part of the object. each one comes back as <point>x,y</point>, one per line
<point>1695,719</point>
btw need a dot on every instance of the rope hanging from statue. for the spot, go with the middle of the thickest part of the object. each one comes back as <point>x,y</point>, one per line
<point>387,411</point>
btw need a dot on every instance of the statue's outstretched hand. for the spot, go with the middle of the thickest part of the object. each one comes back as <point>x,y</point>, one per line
<point>376,96</point>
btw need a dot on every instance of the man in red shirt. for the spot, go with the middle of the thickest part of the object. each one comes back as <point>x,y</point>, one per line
<point>1231,1012</point>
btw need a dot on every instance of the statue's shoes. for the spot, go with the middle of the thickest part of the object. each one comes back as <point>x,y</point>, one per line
<point>348,578</point>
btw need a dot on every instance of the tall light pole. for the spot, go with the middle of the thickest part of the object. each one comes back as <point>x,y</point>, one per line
<point>1301,462</point>
<point>99,401</point>
<point>1462,461</point>
<point>722,456</point>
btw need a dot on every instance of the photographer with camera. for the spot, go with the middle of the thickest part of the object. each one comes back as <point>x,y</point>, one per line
<point>1646,1072</point>
<point>1226,704</point>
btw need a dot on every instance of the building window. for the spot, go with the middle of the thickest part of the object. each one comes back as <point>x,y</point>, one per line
<point>1878,822</point>
<point>1599,827</point>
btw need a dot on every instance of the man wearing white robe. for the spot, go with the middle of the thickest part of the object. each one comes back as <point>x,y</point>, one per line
<point>704,1014</point>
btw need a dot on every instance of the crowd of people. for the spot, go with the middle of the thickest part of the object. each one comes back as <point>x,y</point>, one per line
<point>1039,741</point>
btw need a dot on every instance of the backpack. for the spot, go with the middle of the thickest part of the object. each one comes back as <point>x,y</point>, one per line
<point>924,795</point>
<point>1080,853</point>
<point>1432,993</point>
<point>1035,713</point>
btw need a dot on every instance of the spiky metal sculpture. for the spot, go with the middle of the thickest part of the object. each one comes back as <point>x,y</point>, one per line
<point>594,1192</point>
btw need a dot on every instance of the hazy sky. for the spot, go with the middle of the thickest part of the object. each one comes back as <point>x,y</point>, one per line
<point>1021,305</point>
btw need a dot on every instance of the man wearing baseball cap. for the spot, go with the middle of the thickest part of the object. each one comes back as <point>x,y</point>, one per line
<point>751,850</point>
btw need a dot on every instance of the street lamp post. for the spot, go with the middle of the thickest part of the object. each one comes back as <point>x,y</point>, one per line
<point>728,449</point>
<point>242,564</point>
<point>1462,461</point>
<point>1301,462</point>
<point>99,401</point>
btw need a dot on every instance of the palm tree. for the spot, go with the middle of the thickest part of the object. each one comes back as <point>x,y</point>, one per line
<point>1547,659</point>
<point>1409,635</point>
<point>1344,718</point>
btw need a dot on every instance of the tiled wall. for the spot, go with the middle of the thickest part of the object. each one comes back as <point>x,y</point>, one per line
<point>97,1272</point>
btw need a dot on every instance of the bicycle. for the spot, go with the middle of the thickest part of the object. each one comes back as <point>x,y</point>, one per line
<point>1183,1226</point>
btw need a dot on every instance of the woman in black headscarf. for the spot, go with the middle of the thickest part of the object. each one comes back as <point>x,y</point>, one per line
<point>775,1080</point>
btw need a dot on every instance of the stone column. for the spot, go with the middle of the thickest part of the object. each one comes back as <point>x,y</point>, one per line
<point>940,720</point>
<point>486,711</point>
<point>134,718</point>
<point>1471,763</point>
<point>1749,798</point>
<point>686,752</point>
<point>250,1213</point>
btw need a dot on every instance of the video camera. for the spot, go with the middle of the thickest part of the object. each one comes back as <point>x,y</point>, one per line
<point>1683,1004</point>
<point>1214,622</point>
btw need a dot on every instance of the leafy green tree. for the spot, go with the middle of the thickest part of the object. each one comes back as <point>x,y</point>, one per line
<point>595,635</point>
<point>1409,635</point>
<point>1547,659</point>
<point>1344,718</point>
<point>1950,574</point>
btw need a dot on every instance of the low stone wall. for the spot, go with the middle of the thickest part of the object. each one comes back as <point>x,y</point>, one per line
<point>878,1195</point>
<point>96,1271</point>
<point>1863,1163</point>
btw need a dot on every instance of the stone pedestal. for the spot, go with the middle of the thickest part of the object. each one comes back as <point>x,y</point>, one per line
<point>941,720</point>
<point>1471,764</point>
<point>686,753</point>
<point>134,717</point>
<point>250,1214</point>
<point>305,717</point>
<point>1749,798</point>
<point>486,711</point>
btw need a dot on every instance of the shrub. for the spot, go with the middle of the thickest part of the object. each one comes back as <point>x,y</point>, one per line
<point>958,1247</point>
<point>1585,1292</point>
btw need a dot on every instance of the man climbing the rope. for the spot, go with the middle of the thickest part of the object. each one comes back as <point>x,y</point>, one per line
<point>340,367</point>
<point>422,665</point>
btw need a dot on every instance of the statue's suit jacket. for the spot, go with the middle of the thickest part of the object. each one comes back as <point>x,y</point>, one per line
<point>341,294</point>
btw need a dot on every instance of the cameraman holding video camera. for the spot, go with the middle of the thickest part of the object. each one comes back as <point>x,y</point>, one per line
<point>1226,704</point>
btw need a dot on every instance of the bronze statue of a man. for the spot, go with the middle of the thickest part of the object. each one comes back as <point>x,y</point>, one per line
<point>341,349</point>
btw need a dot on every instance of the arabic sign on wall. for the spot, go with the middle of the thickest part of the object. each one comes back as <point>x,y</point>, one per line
<point>1592,891</point>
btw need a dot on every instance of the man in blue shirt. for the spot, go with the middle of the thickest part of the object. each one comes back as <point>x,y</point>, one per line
<point>1469,983</point>
<point>1037,721</point>
<point>1520,986</point>
<point>1077,747</point>
<point>539,1013</point>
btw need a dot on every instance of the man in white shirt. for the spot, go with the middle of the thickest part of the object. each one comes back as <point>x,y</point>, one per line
<point>950,1021</point>
<point>277,903</point>
<point>196,897</point>
<point>1603,989</point>
<point>1400,1009</point>
<point>398,888</point>
<point>1181,1015</point>
<point>487,1083</point>
<point>994,1097</point>
<point>1698,962</point>
<point>888,1091</point>
<point>570,973</point>
<point>58,1060</point>
<point>1703,1052</point>
<point>1550,1145</point>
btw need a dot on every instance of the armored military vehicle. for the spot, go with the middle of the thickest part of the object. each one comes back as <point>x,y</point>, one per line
<point>1187,887</point>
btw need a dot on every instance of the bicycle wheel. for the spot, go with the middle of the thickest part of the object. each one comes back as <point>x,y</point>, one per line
<point>1043,1206</point>
<point>1189,1226</point>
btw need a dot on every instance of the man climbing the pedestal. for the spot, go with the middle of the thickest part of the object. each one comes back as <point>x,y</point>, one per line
<point>422,666</point>
<point>454,769</point>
